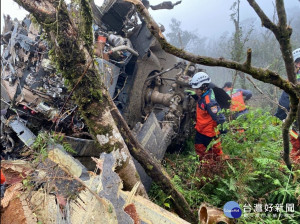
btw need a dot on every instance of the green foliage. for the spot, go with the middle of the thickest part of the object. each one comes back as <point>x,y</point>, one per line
<point>157,194</point>
<point>44,139</point>
<point>40,144</point>
<point>255,173</point>
<point>59,138</point>
<point>256,133</point>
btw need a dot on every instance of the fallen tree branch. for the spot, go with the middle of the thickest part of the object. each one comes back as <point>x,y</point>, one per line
<point>152,166</point>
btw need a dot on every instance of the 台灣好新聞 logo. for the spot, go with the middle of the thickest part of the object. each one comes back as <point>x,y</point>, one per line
<point>232,210</point>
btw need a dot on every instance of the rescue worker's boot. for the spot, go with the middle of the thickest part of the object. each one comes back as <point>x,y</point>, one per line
<point>206,157</point>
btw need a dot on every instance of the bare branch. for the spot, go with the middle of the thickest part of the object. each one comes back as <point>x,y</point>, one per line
<point>264,75</point>
<point>249,55</point>
<point>283,38</point>
<point>266,22</point>
<point>282,33</point>
<point>281,13</point>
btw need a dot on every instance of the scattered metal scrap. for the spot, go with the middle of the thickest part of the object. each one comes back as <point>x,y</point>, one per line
<point>23,133</point>
<point>144,81</point>
<point>32,92</point>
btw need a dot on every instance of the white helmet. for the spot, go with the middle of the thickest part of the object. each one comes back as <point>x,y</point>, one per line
<point>199,79</point>
<point>296,54</point>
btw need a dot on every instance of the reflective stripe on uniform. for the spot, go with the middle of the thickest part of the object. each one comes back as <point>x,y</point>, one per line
<point>294,134</point>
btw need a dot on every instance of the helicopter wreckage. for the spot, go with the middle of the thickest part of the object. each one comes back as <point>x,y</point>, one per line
<point>146,84</point>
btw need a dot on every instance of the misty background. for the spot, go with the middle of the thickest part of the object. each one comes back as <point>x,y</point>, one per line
<point>219,28</point>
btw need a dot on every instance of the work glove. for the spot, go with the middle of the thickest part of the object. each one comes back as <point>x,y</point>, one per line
<point>190,92</point>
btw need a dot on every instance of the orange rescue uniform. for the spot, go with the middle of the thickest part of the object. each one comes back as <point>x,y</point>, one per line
<point>238,103</point>
<point>208,117</point>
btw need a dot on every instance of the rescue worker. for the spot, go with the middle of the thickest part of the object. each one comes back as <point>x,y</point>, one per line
<point>284,101</point>
<point>238,98</point>
<point>208,117</point>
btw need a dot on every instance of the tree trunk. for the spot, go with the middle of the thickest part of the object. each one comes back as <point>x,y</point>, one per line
<point>72,51</point>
